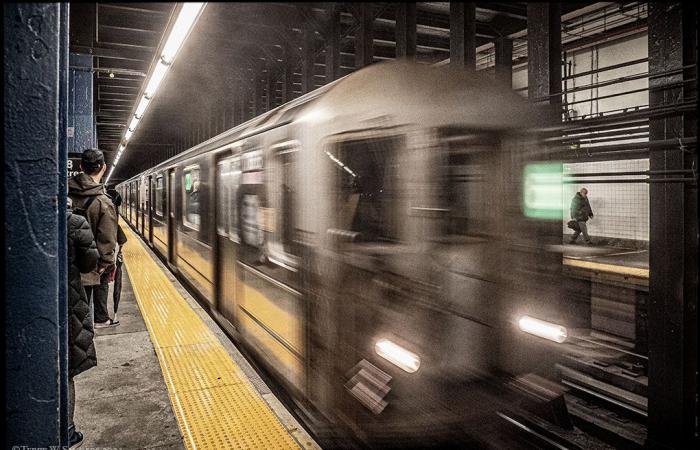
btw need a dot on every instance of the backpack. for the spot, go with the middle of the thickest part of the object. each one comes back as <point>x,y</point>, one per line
<point>82,211</point>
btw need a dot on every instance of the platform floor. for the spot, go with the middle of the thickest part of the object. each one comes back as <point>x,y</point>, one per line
<point>168,377</point>
<point>632,262</point>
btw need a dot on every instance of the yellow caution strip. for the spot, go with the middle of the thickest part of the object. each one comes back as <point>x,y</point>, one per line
<point>215,404</point>
<point>610,268</point>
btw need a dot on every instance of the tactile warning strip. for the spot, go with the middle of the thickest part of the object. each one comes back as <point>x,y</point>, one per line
<point>215,404</point>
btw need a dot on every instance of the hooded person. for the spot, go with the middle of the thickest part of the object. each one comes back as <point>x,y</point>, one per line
<point>82,258</point>
<point>91,201</point>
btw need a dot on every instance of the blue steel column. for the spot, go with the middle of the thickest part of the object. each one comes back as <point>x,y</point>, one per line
<point>63,78</point>
<point>80,104</point>
<point>35,244</point>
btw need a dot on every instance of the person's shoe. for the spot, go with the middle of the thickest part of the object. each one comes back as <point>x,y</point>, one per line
<point>75,439</point>
<point>108,323</point>
<point>590,243</point>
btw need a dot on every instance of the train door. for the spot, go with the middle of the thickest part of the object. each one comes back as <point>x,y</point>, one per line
<point>195,258</point>
<point>129,200</point>
<point>228,177</point>
<point>270,306</point>
<point>172,218</point>
<point>159,235</point>
<point>137,199</point>
<point>149,213</point>
<point>142,204</point>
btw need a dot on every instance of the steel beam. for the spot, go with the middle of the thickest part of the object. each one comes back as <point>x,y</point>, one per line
<point>244,104</point>
<point>463,35</point>
<point>363,35</point>
<point>406,30</point>
<point>268,87</point>
<point>287,71</point>
<point>544,52</point>
<point>673,231</point>
<point>504,61</point>
<point>308,58</point>
<point>332,62</point>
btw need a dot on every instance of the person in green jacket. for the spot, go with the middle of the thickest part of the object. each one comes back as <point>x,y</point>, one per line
<point>580,212</point>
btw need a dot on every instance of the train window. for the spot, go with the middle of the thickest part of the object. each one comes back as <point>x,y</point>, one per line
<point>160,194</point>
<point>191,198</point>
<point>229,174</point>
<point>234,182</point>
<point>250,209</point>
<point>223,177</point>
<point>366,178</point>
<point>471,180</point>
<point>284,197</point>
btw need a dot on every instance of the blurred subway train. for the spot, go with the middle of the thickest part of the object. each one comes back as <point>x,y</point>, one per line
<point>382,248</point>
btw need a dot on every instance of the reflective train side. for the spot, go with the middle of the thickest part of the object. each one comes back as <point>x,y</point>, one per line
<point>354,241</point>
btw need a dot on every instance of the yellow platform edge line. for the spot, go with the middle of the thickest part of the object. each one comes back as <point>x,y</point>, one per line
<point>612,268</point>
<point>148,282</point>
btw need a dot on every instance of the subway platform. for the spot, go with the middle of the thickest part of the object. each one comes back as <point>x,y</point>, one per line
<point>169,378</point>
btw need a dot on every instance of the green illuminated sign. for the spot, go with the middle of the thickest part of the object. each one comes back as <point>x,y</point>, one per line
<point>188,182</point>
<point>542,191</point>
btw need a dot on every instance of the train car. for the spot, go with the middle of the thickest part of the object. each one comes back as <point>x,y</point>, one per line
<point>383,249</point>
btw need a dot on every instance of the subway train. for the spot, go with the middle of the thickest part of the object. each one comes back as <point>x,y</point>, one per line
<point>385,249</point>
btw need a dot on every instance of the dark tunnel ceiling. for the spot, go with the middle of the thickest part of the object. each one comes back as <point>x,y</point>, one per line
<point>229,44</point>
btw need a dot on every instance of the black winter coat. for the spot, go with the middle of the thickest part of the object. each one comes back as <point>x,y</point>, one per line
<point>580,208</point>
<point>82,258</point>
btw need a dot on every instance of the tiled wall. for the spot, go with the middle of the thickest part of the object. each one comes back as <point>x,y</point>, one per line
<point>621,209</point>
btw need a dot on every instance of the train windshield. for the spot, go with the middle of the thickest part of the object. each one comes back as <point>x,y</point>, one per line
<point>366,187</point>
<point>471,182</point>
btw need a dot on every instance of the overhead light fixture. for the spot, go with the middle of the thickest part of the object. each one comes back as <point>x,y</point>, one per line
<point>141,108</point>
<point>134,123</point>
<point>187,16</point>
<point>178,34</point>
<point>157,76</point>
<point>111,74</point>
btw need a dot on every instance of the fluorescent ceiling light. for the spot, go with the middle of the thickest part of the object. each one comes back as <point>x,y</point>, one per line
<point>183,24</point>
<point>157,76</point>
<point>141,108</point>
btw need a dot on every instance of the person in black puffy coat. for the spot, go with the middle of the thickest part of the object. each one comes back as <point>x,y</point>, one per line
<point>82,258</point>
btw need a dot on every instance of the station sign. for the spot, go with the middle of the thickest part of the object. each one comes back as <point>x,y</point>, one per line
<point>543,191</point>
<point>74,163</point>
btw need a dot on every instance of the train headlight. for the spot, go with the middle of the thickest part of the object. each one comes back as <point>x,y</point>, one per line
<point>397,355</point>
<point>546,330</point>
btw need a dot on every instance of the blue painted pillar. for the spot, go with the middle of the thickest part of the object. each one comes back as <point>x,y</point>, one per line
<point>35,47</point>
<point>81,122</point>
<point>63,323</point>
